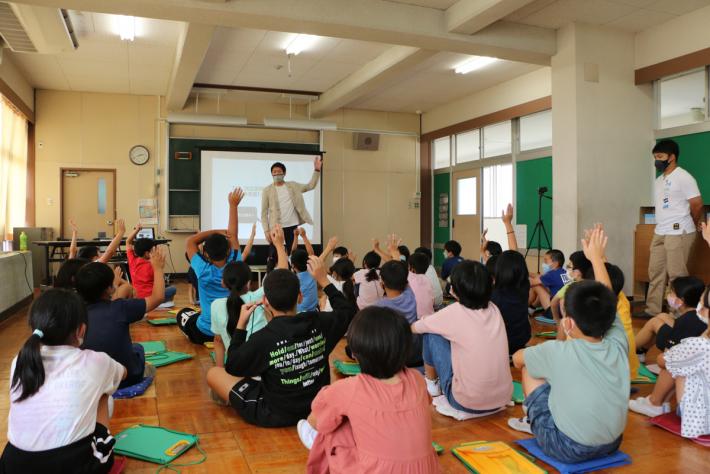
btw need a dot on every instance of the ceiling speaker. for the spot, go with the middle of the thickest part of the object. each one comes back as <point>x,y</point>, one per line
<point>366,141</point>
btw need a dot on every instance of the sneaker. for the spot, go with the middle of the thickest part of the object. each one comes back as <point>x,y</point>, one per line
<point>306,433</point>
<point>644,406</point>
<point>432,386</point>
<point>520,424</point>
<point>167,304</point>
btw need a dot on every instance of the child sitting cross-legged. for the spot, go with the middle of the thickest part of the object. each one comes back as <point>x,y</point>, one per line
<point>668,330</point>
<point>219,248</point>
<point>576,391</point>
<point>377,421</point>
<point>59,395</point>
<point>109,320</point>
<point>138,253</point>
<point>367,281</point>
<point>466,349</point>
<point>271,379</point>
<point>685,367</point>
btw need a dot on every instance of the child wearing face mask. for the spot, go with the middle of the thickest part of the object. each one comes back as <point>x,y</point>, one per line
<point>688,363</point>
<point>577,267</point>
<point>667,330</point>
<point>563,399</point>
<point>685,368</point>
<point>554,276</point>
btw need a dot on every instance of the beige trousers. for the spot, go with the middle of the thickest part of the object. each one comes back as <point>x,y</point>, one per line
<point>668,260</point>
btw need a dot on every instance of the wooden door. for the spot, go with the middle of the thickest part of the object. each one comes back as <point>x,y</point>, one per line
<point>88,197</point>
<point>466,213</point>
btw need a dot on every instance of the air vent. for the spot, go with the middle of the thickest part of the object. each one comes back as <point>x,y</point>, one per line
<point>12,31</point>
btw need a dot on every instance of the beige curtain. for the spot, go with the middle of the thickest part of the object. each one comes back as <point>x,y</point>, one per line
<point>13,168</point>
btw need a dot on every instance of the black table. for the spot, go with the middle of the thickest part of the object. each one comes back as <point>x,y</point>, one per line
<point>52,246</point>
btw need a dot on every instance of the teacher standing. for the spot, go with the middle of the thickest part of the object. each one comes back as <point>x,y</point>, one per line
<point>679,211</point>
<point>282,203</point>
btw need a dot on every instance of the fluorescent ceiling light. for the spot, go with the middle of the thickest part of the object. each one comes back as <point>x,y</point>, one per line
<point>300,43</point>
<point>300,124</point>
<point>473,64</point>
<point>207,119</point>
<point>127,27</point>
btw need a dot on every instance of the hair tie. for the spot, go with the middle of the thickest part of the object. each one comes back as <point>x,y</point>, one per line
<point>38,332</point>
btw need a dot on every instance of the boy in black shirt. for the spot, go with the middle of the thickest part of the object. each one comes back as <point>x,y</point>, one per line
<point>290,354</point>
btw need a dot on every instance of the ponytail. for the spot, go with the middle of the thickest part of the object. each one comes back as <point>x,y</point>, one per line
<point>349,291</point>
<point>372,275</point>
<point>29,370</point>
<point>236,276</point>
<point>345,270</point>
<point>54,317</point>
<point>234,307</point>
<point>372,261</point>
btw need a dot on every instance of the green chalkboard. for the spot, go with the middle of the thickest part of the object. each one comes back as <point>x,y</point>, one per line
<point>442,199</point>
<point>184,175</point>
<point>695,159</point>
<point>530,175</point>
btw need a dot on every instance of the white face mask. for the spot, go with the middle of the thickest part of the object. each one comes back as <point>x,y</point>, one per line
<point>335,259</point>
<point>278,178</point>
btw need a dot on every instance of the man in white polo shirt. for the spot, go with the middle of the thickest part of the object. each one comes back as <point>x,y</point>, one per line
<point>679,211</point>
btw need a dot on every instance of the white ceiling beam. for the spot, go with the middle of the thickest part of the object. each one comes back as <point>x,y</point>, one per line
<point>471,16</point>
<point>373,76</point>
<point>366,20</point>
<point>192,47</point>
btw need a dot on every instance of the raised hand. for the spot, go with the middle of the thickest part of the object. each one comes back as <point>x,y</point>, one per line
<point>73,225</point>
<point>157,258</point>
<point>484,239</point>
<point>507,214</point>
<point>595,245</point>
<point>277,236</point>
<point>253,230</point>
<point>117,276</point>
<point>317,271</point>
<point>236,196</point>
<point>318,163</point>
<point>705,229</point>
<point>376,244</point>
<point>121,226</point>
<point>333,242</point>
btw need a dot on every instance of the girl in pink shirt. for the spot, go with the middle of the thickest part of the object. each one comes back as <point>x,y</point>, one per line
<point>466,348</point>
<point>367,281</point>
<point>378,421</point>
<point>420,285</point>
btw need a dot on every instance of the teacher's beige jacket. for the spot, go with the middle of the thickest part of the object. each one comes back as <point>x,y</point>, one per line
<point>270,212</point>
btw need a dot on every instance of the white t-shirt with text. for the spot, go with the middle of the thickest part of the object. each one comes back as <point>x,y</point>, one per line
<point>671,199</point>
<point>63,411</point>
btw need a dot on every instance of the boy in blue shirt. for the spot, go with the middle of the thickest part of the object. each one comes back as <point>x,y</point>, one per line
<point>309,288</point>
<point>554,276</point>
<point>219,250</point>
<point>452,250</point>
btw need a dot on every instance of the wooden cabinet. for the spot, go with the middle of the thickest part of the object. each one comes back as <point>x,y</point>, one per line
<point>698,263</point>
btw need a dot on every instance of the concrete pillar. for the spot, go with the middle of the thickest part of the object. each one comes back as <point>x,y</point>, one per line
<point>602,138</point>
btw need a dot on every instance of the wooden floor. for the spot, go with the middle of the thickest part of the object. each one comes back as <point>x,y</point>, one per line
<point>179,400</point>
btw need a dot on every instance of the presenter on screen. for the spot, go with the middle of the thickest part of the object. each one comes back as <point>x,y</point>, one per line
<point>282,203</point>
<point>679,212</point>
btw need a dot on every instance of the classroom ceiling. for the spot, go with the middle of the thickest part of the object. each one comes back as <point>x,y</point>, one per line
<point>397,57</point>
<point>104,63</point>
<point>627,15</point>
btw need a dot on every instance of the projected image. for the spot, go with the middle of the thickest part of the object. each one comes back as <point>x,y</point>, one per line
<point>222,171</point>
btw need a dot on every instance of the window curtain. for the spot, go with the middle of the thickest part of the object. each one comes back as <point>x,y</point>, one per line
<point>13,168</point>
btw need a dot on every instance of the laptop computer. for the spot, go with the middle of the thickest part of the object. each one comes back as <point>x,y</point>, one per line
<point>146,233</point>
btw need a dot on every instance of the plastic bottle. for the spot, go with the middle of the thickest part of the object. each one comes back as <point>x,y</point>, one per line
<point>23,241</point>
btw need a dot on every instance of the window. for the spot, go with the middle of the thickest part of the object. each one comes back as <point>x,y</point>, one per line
<point>13,167</point>
<point>466,196</point>
<point>442,152</point>
<point>683,99</point>
<point>497,139</point>
<point>468,146</point>
<point>536,130</point>
<point>497,194</point>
